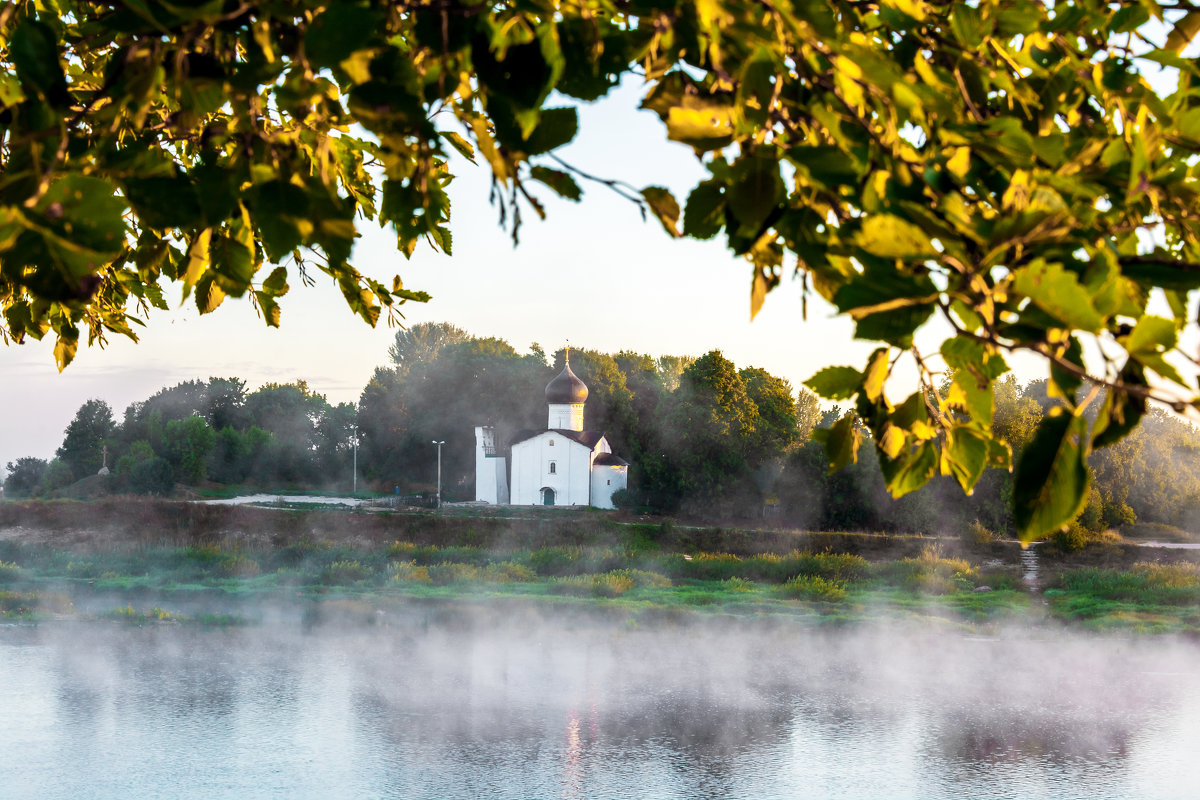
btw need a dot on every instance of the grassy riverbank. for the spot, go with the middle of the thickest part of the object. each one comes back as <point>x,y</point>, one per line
<point>165,562</point>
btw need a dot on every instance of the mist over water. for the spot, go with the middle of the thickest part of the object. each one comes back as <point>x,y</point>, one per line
<point>524,706</point>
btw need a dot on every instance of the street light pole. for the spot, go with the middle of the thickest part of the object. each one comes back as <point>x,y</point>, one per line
<point>354,433</point>
<point>439,489</point>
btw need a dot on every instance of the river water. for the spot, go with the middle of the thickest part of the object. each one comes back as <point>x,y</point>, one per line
<point>516,706</point>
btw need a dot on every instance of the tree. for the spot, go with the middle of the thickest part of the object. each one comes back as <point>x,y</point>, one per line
<point>1002,165</point>
<point>24,477</point>
<point>421,343</point>
<point>82,448</point>
<point>714,425</point>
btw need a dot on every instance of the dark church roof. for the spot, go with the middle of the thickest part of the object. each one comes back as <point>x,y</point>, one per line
<point>588,439</point>
<point>566,388</point>
<point>610,460</point>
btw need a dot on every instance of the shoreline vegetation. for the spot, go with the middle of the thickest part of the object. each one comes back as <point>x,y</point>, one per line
<point>166,562</point>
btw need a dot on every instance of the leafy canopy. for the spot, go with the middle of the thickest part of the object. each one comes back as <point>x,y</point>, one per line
<point>1003,165</point>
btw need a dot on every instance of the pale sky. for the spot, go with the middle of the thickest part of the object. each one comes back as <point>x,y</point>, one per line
<point>593,274</point>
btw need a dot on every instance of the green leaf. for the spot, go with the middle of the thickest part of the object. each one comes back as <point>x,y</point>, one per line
<point>842,442</point>
<point>664,206</point>
<point>164,202</point>
<point>889,236</point>
<point>1152,337</point>
<point>1051,483</point>
<point>557,127</point>
<point>704,212</point>
<point>1121,411</point>
<point>836,383</point>
<point>1065,383</point>
<point>965,455</point>
<point>337,32</point>
<point>561,182</point>
<point>279,209</point>
<point>276,283</point>
<point>34,52</point>
<point>911,470</point>
<point>1058,292</point>
<point>755,191</point>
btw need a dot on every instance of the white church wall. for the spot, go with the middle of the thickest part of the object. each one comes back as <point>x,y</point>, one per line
<point>565,416</point>
<point>531,473</point>
<point>491,473</point>
<point>606,480</point>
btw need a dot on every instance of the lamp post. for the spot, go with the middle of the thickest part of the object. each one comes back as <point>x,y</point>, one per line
<point>439,489</point>
<point>354,433</point>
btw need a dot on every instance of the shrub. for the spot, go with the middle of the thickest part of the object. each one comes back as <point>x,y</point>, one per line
<point>611,584</point>
<point>1159,584</point>
<point>510,572</point>
<point>555,560</point>
<point>814,587</point>
<point>236,565</point>
<point>642,578</point>
<point>453,572</point>
<point>978,534</point>
<point>153,476</point>
<point>738,585</point>
<point>347,571</point>
<point>9,572</point>
<point>1076,537</point>
<point>17,604</point>
<point>408,572</point>
<point>931,574</point>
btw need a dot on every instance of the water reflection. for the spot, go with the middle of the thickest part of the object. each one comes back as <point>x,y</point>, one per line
<point>526,710</point>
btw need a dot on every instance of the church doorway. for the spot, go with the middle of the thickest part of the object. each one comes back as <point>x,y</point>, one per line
<point>547,497</point>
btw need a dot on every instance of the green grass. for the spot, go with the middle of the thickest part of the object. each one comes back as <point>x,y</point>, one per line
<point>819,587</point>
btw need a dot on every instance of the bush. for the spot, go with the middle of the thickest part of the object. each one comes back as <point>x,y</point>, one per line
<point>348,571</point>
<point>738,585</point>
<point>814,587</point>
<point>408,572</point>
<point>978,534</point>
<point>1076,537</point>
<point>929,573</point>
<point>555,560</point>
<point>612,584</point>
<point>9,572</point>
<point>1157,584</point>
<point>236,565</point>
<point>153,476</point>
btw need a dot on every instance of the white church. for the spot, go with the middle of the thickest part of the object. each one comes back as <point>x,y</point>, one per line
<point>563,465</point>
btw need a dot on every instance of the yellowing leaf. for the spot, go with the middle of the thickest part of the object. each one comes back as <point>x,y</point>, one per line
<point>1058,292</point>
<point>892,237</point>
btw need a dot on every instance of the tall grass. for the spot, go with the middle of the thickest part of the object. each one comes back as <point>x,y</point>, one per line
<point>1155,584</point>
<point>929,573</point>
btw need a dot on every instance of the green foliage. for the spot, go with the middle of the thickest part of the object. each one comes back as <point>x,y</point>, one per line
<point>9,572</point>
<point>57,476</point>
<point>610,584</point>
<point>1074,537</point>
<point>814,587</point>
<point>84,439</point>
<point>24,477</point>
<point>1146,583</point>
<point>929,573</point>
<point>153,476</point>
<point>967,161</point>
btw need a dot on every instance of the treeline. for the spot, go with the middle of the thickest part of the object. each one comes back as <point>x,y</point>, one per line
<point>704,437</point>
<point>196,432</point>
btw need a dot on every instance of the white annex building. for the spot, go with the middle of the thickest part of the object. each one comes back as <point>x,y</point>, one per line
<point>563,465</point>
